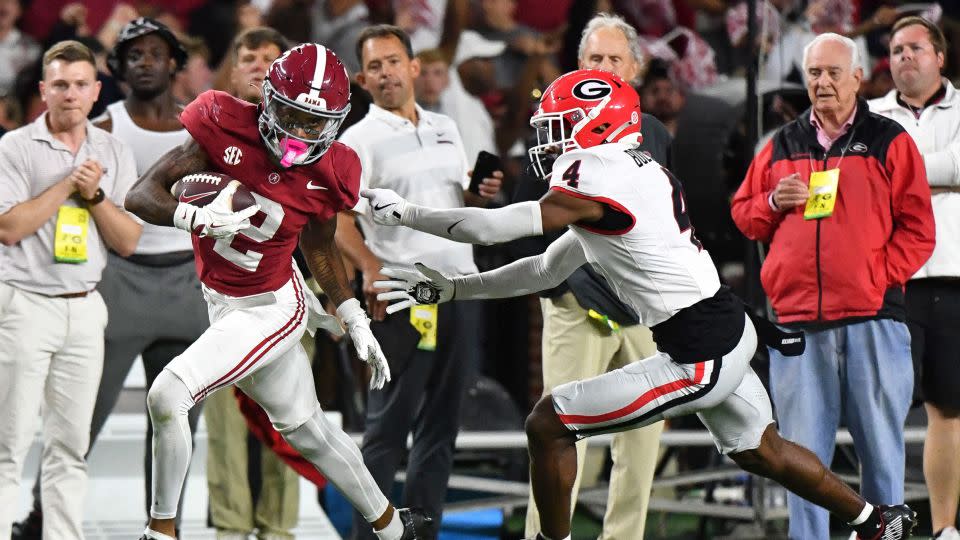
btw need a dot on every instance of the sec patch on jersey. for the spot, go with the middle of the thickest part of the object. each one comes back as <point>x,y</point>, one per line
<point>202,188</point>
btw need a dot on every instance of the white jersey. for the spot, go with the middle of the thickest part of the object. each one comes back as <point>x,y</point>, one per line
<point>148,146</point>
<point>644,246</point>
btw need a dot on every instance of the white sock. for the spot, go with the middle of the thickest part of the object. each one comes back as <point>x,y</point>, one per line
<point>393,530</point>
<point>154,535</point>
<point>864,515</point>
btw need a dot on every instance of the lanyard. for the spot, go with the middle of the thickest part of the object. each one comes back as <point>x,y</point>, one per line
<point>826,155</point>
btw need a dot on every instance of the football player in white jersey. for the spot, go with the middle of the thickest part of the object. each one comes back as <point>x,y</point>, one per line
<point>627,216</point>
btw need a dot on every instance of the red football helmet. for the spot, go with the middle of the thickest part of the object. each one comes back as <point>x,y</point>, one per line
<point>306,96</point>
<point>582,109</point>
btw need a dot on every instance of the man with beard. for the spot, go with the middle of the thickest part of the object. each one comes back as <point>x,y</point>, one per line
<point>153,297</point>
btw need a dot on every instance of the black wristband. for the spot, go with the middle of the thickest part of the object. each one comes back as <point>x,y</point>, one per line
<point>97,198</point>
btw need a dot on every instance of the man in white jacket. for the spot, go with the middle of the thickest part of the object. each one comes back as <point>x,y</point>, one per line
<point>928,107</point>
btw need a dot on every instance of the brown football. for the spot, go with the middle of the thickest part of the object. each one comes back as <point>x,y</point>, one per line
<point>202,188</point>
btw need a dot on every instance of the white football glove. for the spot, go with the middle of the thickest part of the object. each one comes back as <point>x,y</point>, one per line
<point>386,206</point>
<point>423,286</point>
<point>358,324</point>
<point>217,219</point>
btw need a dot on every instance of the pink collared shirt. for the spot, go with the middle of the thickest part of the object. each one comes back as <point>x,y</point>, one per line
<point>825,140</point>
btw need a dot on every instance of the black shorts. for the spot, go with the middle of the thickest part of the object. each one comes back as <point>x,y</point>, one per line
<point>933,315</point>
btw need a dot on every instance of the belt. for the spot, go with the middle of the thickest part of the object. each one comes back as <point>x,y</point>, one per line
<point>239,302</point>
<point>935,280</point>
<point>70,295</point>
<point>173,258</point>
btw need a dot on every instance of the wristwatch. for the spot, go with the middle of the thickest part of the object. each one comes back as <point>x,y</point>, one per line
<point>96,199</point>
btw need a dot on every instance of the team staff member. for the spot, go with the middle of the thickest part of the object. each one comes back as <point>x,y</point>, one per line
<point>928,107</point>
<point>836,268</point>
<point>421,155</point>
<point>153,298</point>
<point>64,181</point>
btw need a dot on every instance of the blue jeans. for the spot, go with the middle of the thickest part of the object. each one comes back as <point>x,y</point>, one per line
<point>862,374</point>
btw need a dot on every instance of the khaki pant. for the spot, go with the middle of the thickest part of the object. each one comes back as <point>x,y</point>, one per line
<point>231,503</point>
<point>51,357</point>
<point>575,348</point>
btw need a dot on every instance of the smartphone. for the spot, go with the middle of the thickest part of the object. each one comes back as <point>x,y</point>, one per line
<point>483,168</point>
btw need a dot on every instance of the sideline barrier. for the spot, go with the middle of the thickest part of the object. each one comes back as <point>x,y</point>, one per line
<point>502,440</point>
<point>509,495</point>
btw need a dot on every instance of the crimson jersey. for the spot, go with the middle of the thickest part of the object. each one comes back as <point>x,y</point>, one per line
<point>258,259</point>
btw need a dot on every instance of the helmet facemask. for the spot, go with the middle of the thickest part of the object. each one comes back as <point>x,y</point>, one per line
<point>556,134</point>
<point>297,132</point>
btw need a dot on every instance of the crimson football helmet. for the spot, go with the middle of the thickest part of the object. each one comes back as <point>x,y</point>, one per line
<point>306,96</point>
<point>582,109</point>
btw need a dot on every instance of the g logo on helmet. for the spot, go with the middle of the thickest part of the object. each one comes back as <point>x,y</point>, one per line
<point>592,89</point>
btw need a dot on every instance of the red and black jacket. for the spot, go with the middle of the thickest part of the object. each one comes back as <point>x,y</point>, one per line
<point>854,263</point>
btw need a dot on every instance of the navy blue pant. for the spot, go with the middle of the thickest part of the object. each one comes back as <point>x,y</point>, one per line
<point>862,374</point>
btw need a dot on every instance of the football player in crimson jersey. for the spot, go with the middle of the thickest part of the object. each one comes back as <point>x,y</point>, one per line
<point>283,151</point>
<point>626,216</point>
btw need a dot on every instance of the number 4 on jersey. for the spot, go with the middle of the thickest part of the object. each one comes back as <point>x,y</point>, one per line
<point>572,175</point>
<point>680,208</point>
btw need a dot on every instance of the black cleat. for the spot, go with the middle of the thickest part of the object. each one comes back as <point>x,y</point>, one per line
<point>896,523</point>
<point>31,528</point>
<point>417,525</point>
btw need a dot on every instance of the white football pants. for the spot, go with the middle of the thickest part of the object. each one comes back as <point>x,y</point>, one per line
<point>253,342</point>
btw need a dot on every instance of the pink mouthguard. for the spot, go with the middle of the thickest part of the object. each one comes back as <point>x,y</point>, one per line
<point>292,149</point>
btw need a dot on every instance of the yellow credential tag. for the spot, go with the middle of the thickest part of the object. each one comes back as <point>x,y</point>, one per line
<point>70,242</point>
<point>603,321</point>
<point>823,194</point>
<point>424,319</point>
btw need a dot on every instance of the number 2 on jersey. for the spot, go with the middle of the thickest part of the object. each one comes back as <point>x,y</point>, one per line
<point>680,208</point>
<point>250,260</point>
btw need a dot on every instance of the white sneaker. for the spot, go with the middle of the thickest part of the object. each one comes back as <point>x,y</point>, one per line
<point>150,534</point>
<point>950,533</point>
<point>232,535</point>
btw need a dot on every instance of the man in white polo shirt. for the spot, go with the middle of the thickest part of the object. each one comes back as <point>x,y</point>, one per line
<point>153,296</point>
<point>432,353</point>
<point>61,201</point>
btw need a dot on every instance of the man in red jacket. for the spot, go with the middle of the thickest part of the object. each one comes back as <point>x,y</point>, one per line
<point>841,196</point>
